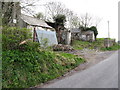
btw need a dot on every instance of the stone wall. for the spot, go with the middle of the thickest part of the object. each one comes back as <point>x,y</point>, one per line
<point>109,42</point>
<point>75,36</point>
<point>87,36</point>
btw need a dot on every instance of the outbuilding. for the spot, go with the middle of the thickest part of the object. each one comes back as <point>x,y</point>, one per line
<point>41,31</point>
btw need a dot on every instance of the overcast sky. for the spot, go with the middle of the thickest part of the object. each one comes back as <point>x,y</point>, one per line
<point>105,9</point>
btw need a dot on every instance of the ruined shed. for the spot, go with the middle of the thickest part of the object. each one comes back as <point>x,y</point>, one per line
<point>40,29</point>
<point>78,34</point>
<point>87,36</point>
<point>75,33</point>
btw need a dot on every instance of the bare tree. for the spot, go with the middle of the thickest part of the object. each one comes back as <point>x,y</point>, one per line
<point>53,9</point>
<point>86,20</point>
<point>28,6</point>
<point>12,10</point>
<point>69,16</point>
<point>97,21</point>
<point>74,21</point>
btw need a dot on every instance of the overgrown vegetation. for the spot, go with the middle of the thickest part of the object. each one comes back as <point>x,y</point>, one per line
<point>12,36</point>
<point>79,45</point>
<point>26,69</point>
<point>99,44</point>
<point>27,65</point>
<point>115,47</point>
<point>59,25</point>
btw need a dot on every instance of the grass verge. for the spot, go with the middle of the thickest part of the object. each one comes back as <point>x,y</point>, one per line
<point>99,44</point>
<point>115,47</point>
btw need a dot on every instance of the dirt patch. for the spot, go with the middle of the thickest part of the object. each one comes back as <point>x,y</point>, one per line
<point>92,57</point>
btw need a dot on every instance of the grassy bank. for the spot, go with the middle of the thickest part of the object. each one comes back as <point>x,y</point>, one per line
<point>29,68</point>
<point>99,44</point>
<point>79,45</point>
<point>25,64</point>
<point>115,47</point>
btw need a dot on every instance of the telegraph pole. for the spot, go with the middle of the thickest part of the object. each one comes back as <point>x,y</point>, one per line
<point>108,30</point>
<point>108,35</point>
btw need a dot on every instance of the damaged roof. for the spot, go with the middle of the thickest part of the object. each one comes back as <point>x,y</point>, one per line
<point>87,32</point>
<point>75,30</point>
<point>34,21</point>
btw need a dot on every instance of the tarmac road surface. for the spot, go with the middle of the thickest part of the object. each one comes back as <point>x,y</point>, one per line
<point>101,75</point>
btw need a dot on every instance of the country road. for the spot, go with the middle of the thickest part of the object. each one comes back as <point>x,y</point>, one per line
<point>101,75</point>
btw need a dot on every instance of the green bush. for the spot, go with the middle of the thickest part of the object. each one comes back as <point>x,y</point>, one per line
<point>44,43</point>
<point>29,46</point>
<point>29,68</point>
<point>12,36</point>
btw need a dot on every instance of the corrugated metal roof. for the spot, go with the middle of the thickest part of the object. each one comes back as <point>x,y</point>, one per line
<point>87,32</point>
<point>75,30</point>
<point>34,21</point>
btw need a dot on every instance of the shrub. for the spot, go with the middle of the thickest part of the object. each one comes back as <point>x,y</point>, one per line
<point>12,36</point>
<point>27,69</point>
<point>29,46</point>
<point>44,43</point>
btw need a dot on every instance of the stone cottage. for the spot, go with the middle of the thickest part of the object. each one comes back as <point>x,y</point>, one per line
<point>75,33</point>
<point>87,36</point>
<point>78,34</point>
